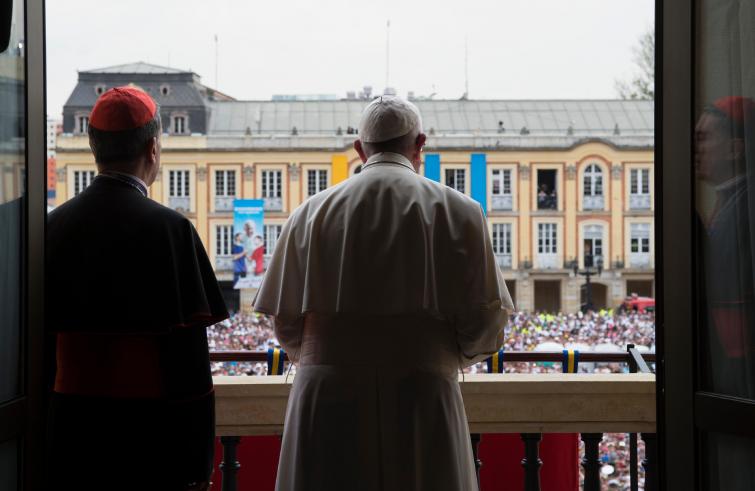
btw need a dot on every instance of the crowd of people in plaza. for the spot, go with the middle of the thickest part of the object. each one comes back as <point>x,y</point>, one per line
<point>604,330</point>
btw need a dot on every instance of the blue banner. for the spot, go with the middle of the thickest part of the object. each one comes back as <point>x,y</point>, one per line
<point>248,243</point>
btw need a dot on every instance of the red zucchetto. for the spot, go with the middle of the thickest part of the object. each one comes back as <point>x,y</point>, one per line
<point>735,107</point>
<point>122,108</point>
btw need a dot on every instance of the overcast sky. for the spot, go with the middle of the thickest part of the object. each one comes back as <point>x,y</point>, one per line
<point>517,49</point>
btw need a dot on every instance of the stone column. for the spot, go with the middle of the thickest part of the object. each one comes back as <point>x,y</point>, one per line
<point>616,247</point>
<point>525,220</point>
<point>247,181</point>
<point>570,223</point>
<point>202,204</point>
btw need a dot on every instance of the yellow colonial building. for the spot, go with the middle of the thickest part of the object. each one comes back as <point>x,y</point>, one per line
<point>563,182</point>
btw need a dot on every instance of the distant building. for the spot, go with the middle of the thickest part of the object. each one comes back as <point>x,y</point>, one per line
<point>184,101</point>
<point>305,97</point>
<point>561,181</point>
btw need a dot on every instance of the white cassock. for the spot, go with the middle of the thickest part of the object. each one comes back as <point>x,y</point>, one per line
<point>383,287</point>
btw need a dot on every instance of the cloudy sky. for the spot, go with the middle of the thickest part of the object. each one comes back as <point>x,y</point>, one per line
<point>516,49</point>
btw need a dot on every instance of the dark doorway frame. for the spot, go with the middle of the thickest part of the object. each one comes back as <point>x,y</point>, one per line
<point>684,411</point>
<point>23,418</point>
<point>674,340</point>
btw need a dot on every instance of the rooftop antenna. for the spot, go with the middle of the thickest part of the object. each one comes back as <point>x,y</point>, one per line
<point>466,68</point>
<point>387,52</point>
<point>216,61</point>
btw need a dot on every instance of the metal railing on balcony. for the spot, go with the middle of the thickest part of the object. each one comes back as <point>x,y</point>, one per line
<point>640,260</point>
<point>529,404</point>
<point>180,203</point>
<point>593,202</point>
<point>547,202</point>
<point>273,204</point>
<point>223,263</point>
<point>503,261</point>
<point>503,202</point>
<point>547,261</point>
<point>224,203</point>
<point>639,201</point>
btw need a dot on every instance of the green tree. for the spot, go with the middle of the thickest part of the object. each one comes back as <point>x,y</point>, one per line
<point>642,84</point>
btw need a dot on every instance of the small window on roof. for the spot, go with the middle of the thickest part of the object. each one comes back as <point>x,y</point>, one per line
<point>99,89</point>
<point>165,89</point>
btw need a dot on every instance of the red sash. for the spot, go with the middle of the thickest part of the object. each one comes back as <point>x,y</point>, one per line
<point>109,365</point>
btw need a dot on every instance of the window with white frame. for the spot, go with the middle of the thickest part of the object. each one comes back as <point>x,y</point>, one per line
<point>593,180</point>
<point>225,183</point>
<point>272,184</point>
<point>639,238</point>
<point>179,124</point>
<point>592,244</point>
<point>317,180</point>
<point>223,240</point>
<point>639,181</point>
<point>82,124</point>
<point>82,179</point>
<point>501,185</point>
<point>546,238</point>
<point>456,178</point>
<point>271,234</point>
<point>502,238</point>
<point>178,184</point>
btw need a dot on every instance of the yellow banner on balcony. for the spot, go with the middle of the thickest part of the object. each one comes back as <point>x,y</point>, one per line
<point>275,357</point>
<point>340,164</point>
<point>570,361</point>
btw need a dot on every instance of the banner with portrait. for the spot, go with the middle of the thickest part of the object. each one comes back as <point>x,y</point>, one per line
<point>248,243</point>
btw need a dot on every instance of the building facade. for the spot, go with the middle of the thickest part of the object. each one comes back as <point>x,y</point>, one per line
<point>563,183</point>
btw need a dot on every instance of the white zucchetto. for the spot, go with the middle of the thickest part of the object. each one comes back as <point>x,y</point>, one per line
<point>388,117</point>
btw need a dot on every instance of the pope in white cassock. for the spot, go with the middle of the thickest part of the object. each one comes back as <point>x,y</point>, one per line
<point>382,288</point>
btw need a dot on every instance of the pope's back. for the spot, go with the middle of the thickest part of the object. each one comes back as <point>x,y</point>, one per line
<point>382,288</point>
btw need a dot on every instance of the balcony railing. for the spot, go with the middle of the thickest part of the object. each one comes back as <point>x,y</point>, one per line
<point>639,260</point>
<point>503,202</point>
<point>223,263</point>
<point>592,202</point>
<point>273,204</point>
<point>503,261</point>
<point>639,201</point>
<point>547,261</point>
<point>547,202</point>
<point>224,203</point>
<point>179,203</point>
<point>529,404</point>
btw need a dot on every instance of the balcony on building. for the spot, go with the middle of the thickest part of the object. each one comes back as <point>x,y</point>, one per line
<point>593,202</point>
<point>273,204</point>
<point>639,260</point>
<point>547,261</point>
<point>593,261</point>
<point>527,405</point>
<point>503,261</point>
<point>547,192</point>
<point>502,202</point>
<point>639,201</point>
<point>180,203</point>
<point>223,263</point>
<point>224,203</point>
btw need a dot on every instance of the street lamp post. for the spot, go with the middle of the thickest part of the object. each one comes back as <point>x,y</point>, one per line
<point>589,272</point>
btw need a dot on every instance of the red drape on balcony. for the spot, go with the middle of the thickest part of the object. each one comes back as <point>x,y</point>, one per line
<point>501,456</point>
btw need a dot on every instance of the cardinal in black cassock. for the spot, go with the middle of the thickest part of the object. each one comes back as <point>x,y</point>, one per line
<point>130,291</point>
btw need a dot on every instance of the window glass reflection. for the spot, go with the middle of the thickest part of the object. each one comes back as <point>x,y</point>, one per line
<point>724,167</point>
<point>729,462</point>
<point>12,185</point>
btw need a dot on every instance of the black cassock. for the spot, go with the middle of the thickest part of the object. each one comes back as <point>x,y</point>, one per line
<point>121,265</point>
